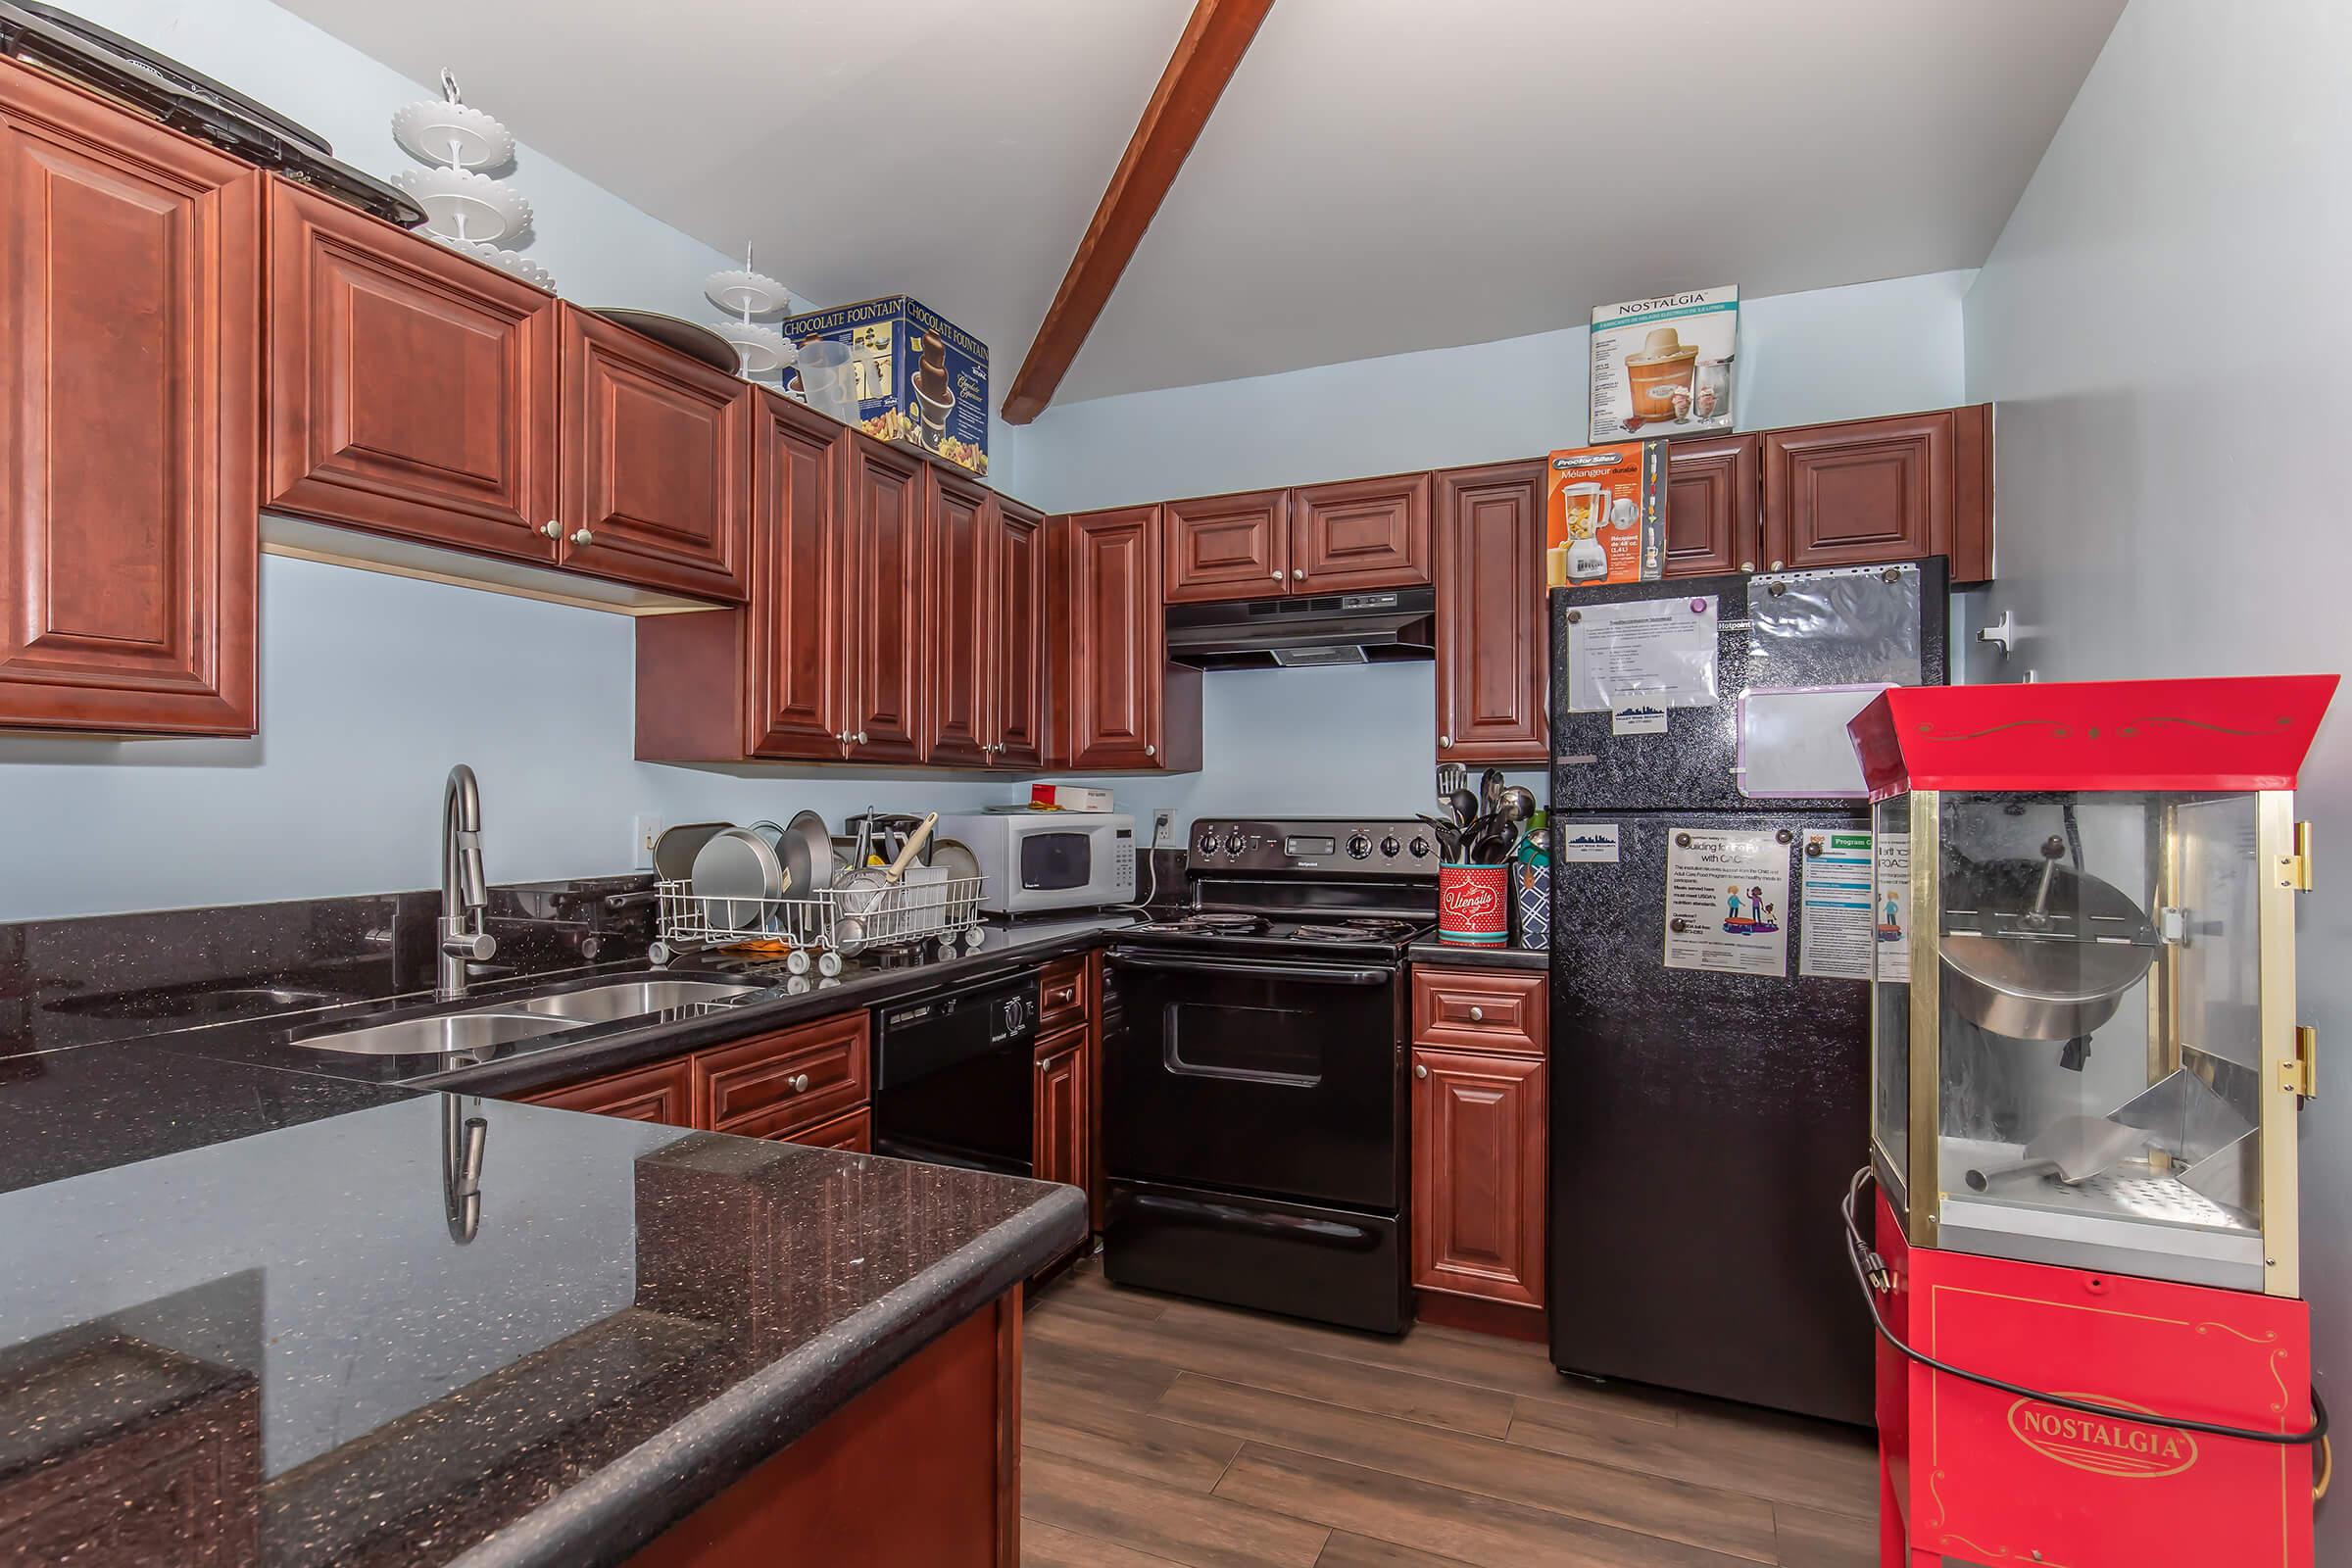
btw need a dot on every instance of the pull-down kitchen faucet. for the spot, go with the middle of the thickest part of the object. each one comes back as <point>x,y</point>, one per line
<point>464,892</point>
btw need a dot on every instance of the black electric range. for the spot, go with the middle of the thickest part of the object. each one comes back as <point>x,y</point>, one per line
<point>1255,1096</point>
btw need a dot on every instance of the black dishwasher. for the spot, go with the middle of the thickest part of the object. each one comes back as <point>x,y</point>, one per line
<point>954,1077</point>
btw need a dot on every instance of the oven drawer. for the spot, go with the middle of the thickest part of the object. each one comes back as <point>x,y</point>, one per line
<point>776,1085</point>
<point>1501,1011</point>
<point>1062,996</point>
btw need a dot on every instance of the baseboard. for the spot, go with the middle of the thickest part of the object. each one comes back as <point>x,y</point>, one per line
<point>1508,1320</point>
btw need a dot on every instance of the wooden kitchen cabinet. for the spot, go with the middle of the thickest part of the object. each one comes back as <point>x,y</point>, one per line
<point>1713,501</point>
<point>1877,490</point>
<point>412,389</point>
<point>1228,547</point>
<point>1360,534</point>
<point>1019,616</point>
<point>1492,642</point>
<point>655,482</point>
<point>1479,1176</point>
<point>129,393</point>
<point>1061,1153</point>
<point>959,636</point>
<point>661,1093</point>
<point>852,1134</point>
<point>889,610</point>
<point>1121,704</point>
<point>778,1085</point>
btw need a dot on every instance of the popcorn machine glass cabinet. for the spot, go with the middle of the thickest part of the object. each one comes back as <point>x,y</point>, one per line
<point>2075,1060</point>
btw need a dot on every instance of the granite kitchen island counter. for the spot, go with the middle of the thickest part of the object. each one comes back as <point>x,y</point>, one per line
<point>321,1338</point>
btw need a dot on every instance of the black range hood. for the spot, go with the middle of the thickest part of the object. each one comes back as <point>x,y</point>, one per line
<point>1377,626</point>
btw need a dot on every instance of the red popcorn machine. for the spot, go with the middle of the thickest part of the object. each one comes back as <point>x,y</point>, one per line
<point>2085,1077</point>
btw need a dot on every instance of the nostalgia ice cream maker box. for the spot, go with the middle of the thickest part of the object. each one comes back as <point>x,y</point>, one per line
<point>1663,366</point>
<point>1604,515</point>
<point>910,375</point>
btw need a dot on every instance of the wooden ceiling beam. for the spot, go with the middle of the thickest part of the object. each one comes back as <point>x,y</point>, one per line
<point>1213,43</point>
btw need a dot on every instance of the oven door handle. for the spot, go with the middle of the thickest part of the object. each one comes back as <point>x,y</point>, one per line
<point>1310,973</point>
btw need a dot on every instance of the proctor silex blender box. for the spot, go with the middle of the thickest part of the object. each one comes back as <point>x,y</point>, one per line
<point>1603,514</point>
<point>1663,366</point>
<point>899,370</point>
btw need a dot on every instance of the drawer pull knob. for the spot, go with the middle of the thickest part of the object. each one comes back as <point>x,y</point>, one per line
<point>1420,1069</point>
<point>797,1083</point>
<point>1478,1015</point>
<point>552,528</point>
<point>582,536</point>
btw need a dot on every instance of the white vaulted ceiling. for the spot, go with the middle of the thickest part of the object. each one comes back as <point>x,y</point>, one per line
<point>1381,175</point>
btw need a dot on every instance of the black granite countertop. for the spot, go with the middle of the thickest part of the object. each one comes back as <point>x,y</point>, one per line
<point>633,1318</point>
<point>1465,956</point>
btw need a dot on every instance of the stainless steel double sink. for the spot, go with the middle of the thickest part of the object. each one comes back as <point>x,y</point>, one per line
<point>498,1023</point>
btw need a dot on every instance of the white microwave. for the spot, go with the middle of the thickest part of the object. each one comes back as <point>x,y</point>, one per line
<point>1033,861</point>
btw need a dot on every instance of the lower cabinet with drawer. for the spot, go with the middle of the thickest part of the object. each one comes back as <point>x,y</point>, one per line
<point>805,1085</point>
<point>1479,1124</point>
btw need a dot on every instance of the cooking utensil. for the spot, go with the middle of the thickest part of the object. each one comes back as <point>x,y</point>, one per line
<point>2022,954</point>
<point>1490,789</point>
<point>675,847</point>
<point>2073,1148</point>
<point>1449,836</point>
<point>860,892</point>
<point>1518,803</point>
<point>1464,807</point>
<point>809,864</point>
<point>689,338</point>
<point>736,873</point>
<point>950,857</point>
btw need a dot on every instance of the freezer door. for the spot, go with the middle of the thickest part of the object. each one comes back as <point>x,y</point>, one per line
<point>1691,762</point>
<point>1704,1129</point>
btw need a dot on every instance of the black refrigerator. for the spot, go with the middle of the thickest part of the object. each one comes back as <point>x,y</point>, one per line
<point>1705,1122</point>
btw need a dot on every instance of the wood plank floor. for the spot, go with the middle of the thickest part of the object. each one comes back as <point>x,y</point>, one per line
<point>1159,1431</point>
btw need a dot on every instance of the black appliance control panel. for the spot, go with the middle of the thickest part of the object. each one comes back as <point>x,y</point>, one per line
<point>1314,845</point>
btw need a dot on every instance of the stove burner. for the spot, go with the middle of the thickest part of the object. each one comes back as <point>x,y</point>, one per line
<point>1205,924</point>
<point>1363,929</point>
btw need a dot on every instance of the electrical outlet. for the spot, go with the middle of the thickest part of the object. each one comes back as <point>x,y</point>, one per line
<point>642,830</point>
<point>1164,830</point>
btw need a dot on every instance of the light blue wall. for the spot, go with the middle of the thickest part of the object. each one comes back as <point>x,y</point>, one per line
<point>2153,288</point>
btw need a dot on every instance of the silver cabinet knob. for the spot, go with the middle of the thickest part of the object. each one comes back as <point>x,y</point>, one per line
<point>1420,1069</point>
<point>861,737</point>
<point>1478,1014</point>
<point>552,528</point>
<point>1446,741</point>
<point>1748,565</point>
<point>1041,1066</point>
<point>797,1083</point>
<point>1778,565</point>
<point>1151,749</point>
<point>1276,575</point>
<point>581,535</point>
<point>1298,575</point>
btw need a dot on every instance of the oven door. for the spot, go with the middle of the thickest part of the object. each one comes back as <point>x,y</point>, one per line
<point>1252,1075</point>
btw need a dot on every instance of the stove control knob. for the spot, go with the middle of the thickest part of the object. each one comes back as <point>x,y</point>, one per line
<point>1233,842</point>
<point>1359,847</point>
<point>1420,849</point>
<point>1390,847</point>
<point>1208,842</point>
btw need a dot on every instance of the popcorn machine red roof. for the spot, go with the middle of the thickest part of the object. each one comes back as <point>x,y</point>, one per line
<point>2085,1078</point>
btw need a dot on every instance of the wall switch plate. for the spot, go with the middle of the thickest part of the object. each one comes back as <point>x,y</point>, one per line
<point>642,830</point>
<point>1164,830</point>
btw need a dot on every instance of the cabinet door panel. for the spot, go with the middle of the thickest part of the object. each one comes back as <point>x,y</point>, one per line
<point>1361,533</point>
<point>889,608</point>
<point>1119,640</point>
<point>1020,735</point>
<point>852,1134</point>
<point>129,383</point>
<point>1850,495</point>
<point>1492,642</point>
<point>411,391</point>
<point>957,638</point>
<point>1061,1153</point>
<point>661,1093</point>
<point>1228,547</point>
<point>1711,497</point>
<point>1479,1175</point>
<point>772,1085</point>
<point>799,571</point>
<point>655,463</point>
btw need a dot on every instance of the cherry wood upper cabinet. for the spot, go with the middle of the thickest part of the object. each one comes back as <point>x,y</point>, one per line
<point>1228,547</point>
<point>889,609</point>
<point>1711,505</point>
<point>1491,634</point>
<point>1479,1175</point>
<point>412,390</point>
<point>1121,704</point>
<point>129,392</point>
<point>1361,533</point>
<point>798,616</point>
<point>655,475</point>
<point>959,634</point>
<point>1876,490</point>
<point>1020,636</point>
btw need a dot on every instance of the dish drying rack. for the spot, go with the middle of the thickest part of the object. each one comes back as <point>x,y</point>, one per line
<point>821,929</point>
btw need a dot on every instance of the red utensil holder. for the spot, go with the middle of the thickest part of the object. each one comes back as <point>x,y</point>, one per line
<point>1473,905</point>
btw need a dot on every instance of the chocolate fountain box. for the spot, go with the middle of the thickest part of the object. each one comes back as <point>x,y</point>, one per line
<point>910,375</point>
<point>1663,366</point>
